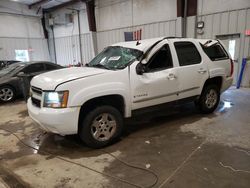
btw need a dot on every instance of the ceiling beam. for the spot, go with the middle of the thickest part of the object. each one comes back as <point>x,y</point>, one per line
<point>38,3</point>
<point>61,5</point>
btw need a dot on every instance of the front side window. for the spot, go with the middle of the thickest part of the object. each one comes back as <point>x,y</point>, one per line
<point>115,57</point>
<point>11,69</point>
<point>187,53</point>
<point>162,59</point>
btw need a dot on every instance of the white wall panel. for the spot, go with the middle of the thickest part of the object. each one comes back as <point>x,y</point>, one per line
<point>71,29</point>
<point>209,26</point>
<point>67,49</point>
<point>106,38</point>
<point>233,22</point>
<point>21,28</point>
<point>213,6</point>
<point>190,26</point>
<point>230,22</point>
<point>87,48</point>
<point>148,11</point>
<point>224,23</point>
<point>216,24</point>
<point>39,49</point>
<point>126,13</point>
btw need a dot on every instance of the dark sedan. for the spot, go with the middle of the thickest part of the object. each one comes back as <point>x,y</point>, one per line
<point>6,63</point>
<point>11,77</point>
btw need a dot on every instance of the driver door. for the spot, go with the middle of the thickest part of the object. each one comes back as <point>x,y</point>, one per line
<point>158,84</point>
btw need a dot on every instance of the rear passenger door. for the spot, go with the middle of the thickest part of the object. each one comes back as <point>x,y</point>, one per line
<point>192,71</point>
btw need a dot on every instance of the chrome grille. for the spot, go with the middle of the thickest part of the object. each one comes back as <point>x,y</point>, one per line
<point>36,90</point>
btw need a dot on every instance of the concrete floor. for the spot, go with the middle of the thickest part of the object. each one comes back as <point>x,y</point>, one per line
<point>183,148</point>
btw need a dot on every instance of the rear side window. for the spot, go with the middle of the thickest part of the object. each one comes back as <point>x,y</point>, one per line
<point>36,67</point>
<point>215,52</point>
<point>187,53</point>
<point>51,67</point>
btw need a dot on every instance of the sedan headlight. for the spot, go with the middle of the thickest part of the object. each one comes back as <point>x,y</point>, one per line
<point>57,99</point>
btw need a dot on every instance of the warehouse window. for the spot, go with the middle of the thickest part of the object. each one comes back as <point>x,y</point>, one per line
<point>231,48</point>
<point>22,55</point>
<point>187,53</point>
<point>161,60</point>
<point>215,52</point>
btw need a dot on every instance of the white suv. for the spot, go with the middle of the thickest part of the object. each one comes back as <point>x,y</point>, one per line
<point>92,101</point>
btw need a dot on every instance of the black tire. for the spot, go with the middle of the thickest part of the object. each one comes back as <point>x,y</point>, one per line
<point>87,129</point>
<point>11,94</point>
<point>205,104</point>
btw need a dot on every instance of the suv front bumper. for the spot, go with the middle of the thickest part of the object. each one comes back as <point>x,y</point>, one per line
<point>62,121</point>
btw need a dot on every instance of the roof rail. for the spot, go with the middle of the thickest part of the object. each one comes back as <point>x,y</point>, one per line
<point>172,37</point>
<point>157,42</point>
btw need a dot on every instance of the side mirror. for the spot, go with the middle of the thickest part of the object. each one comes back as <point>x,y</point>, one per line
<point>140,69</point>
<point>20,74</point>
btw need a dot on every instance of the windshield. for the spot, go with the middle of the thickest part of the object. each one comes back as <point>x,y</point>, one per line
<point>10,69</point>
<point>115,57</point>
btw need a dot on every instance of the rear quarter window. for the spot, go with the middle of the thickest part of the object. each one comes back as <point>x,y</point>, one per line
<point>187,53</point>
<point>215,52</point>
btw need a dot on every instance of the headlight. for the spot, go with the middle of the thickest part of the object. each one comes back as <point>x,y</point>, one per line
<point>57,99</point>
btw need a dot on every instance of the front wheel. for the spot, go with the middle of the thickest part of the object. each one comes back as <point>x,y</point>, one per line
<point>101,126</point>
<point>209,99</point>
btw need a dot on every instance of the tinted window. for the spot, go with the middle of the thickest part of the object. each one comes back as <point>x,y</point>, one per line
<point>215,52</point>
<point>187,53</point>
<point>162,59</point>
<point>51,67</point>
<point>37,67</point>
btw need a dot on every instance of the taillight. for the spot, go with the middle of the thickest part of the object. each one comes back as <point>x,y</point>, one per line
<point>232,67</point>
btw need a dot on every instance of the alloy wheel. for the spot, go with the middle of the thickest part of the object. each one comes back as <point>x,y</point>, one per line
<point>211,98</point>
<point>103,127</point>
<point>6,94</point>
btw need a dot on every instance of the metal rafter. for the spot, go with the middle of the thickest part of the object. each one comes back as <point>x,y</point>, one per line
<point>38,3</point>
<point>61,5</point>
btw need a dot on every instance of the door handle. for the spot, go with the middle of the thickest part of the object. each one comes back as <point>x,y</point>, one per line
<point>171,76</point>
<point>202,71</point>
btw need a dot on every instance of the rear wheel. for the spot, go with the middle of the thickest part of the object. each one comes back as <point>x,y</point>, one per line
<point>209,99</point>
<point>6,94</point>
<point>101,126</point>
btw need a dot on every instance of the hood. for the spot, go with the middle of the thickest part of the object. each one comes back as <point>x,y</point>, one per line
<point>4,79</point>
<point>50,80</point>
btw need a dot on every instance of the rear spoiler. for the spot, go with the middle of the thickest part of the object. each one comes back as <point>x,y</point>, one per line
<point>210,43</point>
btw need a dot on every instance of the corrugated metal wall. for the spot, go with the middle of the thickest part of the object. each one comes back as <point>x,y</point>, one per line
<point>38,46</point>
<point>68,51</point>
<point>227,23</point>
<point>230,22</point>
<point>151,30</point>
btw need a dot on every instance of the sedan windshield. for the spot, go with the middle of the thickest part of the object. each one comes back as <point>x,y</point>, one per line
<point>115,57</point>
<point>10,69</point>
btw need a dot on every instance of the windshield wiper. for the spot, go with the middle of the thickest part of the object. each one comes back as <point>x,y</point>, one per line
<point>99,66</point>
